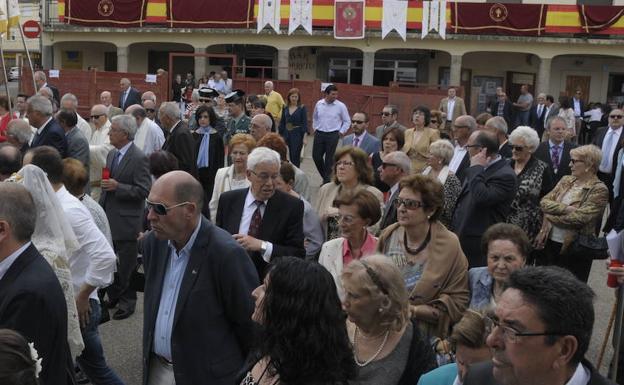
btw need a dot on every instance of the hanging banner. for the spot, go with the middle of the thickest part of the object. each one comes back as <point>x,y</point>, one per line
<point>300,15</point>
<point>107,13</point>
<point>434,18</point>
<point>268,13</point>
<point>349,19</point>
<point>394,18</point>
<point>441,28</point>
<point>498,19</point>
<point>596,18</point>
<point>210,14</point>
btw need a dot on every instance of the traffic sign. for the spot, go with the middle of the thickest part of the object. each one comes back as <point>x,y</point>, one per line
<point>32,29</point>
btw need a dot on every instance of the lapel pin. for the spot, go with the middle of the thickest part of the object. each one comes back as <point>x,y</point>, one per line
<point>194,271</point>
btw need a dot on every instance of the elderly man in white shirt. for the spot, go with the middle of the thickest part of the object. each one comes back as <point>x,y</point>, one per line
<point>99,147</point>
<point>92,266</point>
<point>149,136</point>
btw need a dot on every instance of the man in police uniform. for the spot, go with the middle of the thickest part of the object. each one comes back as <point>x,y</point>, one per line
<point>239,122</point>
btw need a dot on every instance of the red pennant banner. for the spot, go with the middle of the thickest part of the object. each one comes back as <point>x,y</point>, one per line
<point>498,19</point>
<point>349,19</point>
<point>109,13</point>
<point>210,14</point>
<point>598,18</point>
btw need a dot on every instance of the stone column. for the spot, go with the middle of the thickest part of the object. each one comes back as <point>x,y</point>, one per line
<point>368,68</point>
<point>47,57</point>
<point>200,63</point>
<point>283,64</point>
<point>456,67</point>
<point>543,76</point>
<point>122,59</point>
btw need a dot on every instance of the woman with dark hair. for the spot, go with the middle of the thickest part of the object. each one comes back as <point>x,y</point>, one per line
<point>391,140</point>
<point>303,339</point>
<point>210,152</point>
<point>419,138</point>
<point>17,364</point>
<point>294,125</point>
<point>352,172</point>
<point>161,162</point>
<point>429,256</point>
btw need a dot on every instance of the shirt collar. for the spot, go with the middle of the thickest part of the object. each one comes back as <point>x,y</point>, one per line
<point>552,144</point>
<point>174,127</point>
<point>250,199</point>
<point>125,148</point>
<point>498,157</point>
<point>581,376</point>
<point>361,137</point>
<point>186,250</point>
<point>6,264</point>
<point>394,188</point>
<point>367,247</point>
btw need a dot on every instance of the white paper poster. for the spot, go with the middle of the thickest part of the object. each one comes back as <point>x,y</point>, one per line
<point>300,15</point>
<point>268,13</point>
<point>394,18</point>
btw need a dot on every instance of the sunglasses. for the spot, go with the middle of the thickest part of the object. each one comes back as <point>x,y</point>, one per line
<point>517,148</point>
<point>160,208</point>
<point>150,110</point>
<point>357,121</point>
<point>386,113</point>
<point>410,204</point>
<point>616,116</point>
<point>96,116</point>
<point>434,120</point>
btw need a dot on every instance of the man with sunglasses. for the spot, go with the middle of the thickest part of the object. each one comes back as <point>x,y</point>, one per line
<point>609,140</point>
<point>198,280</point>
<point>540,332</point>
<point>389,116</point>
<point>360,136</point>
<point>395,166</point>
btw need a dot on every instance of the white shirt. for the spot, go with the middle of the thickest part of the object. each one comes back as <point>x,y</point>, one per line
<point>248,211</point>
<point>614,141</point>
<point>99,147</point>
<point>449,109</point>
<point>595,114</point>
<point>577,107</point>
<point>7,262</point>
<point>83,126</point>
<point>458,156</point>
<point>581,376</point>
<point>149,137</point>
<point>331,117</point>
<point>95,261</point>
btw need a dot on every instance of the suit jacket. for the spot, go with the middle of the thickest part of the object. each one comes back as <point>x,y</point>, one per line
<point>212,327</point>
<point>458,109</point>
<point>33,304</point>
<point>505,150</point>
<point>52,135</point>
<point>599,138</point>
<point>390,212</point>
<point>55,92</point>
<point>543,153</point>
<point>134,97</point>
<point>282,224</point>
<point>382,129</point>
<point>180,143</point>
<point>124,206</point>
<point>369,143</point>
<point>481,374</point>
<point>460,173</point>
<point>537,120</point>
<point>507,112</point>
<point>114,111</point>
<point>78,146</point>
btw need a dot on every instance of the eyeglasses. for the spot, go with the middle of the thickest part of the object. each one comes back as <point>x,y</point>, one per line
<point>96,116</point>
<point>150,110</point>
<point>616,116</point>
<point>386,113</point>
<point>573,161</point>
<point>517,148</point>
<point>264,177</point>
<point>385,164</point>
<point>346,219</point>
<point>510,334</point>
<point>357,121</point>
<point>345,163</point>
<point>160,208</point>
<point>410,204</point>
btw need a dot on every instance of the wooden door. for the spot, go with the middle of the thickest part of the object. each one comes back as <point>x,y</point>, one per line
<point>574,82</point>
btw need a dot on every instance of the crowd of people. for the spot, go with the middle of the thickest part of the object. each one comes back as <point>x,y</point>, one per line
<point>445,251</point>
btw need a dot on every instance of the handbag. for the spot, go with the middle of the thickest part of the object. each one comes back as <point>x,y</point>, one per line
<point>589,246</point>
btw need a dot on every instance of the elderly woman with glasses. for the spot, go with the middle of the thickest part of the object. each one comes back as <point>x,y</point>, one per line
<point>440,155</point>
<point>419,138</point>
<point>387,346</point>
<point>352,172</point>
<point>433,265</point>
<point>534,180</point>
<point>573,208</point>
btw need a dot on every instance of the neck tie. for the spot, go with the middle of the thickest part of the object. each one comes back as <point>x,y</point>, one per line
<point>605,164</point>
<point>116,161</point>
<point>555,157</point>
<point>123,100</point>
<point>356,141</point>
<point>540,108</point>
<point>256,221</point>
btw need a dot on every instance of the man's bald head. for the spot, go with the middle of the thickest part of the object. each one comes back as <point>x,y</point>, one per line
<point>98,109</point>
<point>260,126</point>
<point>181,187</point>
<point>18,132</point>
<point>106,98</point>
<point>148,95</point>
<point>10,161</point>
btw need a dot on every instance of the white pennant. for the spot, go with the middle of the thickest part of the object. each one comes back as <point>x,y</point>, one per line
<point>442,19</point>
<point>424,29</point>
<point>394,17</point>
<point>300,15</point>
<point>268,13</point>
<point>434,18</point>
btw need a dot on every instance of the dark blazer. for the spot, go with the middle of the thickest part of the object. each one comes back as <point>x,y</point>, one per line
<point>180,143</point>
<point>78,146</point>
<point>537,120</point>
<point>298,120</point>
<point>55,92</point>
<point>134,97</point>
<point>370,144</point>
<point>599,138</point>
<point>507,113</point>
<point>124,206</point>
<point>212,326</point>
<point>282,223</point>
<point>32,303</point>
<point>481,374</point>
<point>390,212</point>
<point>543,153</point>
<point>52,135</point>
<point>505,150</point>
<point>463,166</point>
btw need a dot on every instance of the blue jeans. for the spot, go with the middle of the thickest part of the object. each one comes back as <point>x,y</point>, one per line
<point>92,361</point>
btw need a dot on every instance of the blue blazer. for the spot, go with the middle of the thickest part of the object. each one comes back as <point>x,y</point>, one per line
<point>370,144</point>
<point>51,135</point>
<point>299,119</point>
<point>444,375</point>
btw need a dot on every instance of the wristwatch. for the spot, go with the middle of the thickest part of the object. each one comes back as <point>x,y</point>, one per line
<point>263,247</point>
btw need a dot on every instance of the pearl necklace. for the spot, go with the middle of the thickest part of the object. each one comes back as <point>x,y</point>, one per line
<point>362,364</point>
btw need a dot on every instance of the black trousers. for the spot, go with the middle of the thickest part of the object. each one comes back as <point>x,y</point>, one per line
<point>579,266</point>
<point>120,291</point>
<point>323,151</point>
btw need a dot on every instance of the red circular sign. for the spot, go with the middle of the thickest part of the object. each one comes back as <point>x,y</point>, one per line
<point>31,29</point>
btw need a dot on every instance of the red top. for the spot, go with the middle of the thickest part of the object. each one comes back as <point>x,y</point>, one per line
<point>368,247</point>
<point>4,122</point>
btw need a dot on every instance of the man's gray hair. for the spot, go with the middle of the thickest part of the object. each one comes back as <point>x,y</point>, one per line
<point>499,123</point>
<point>137,111</point>
<point>127,124</point>
<point>401,160</point>
<point>40,104</point>
<point>469,121</point>
<point>20,130</point>
<point>265,120</point>
<point>268,83</point>
<point>18,209</point>
<point>528,134</point>
<point>170,109</point>
<point>262,155</point>
<point>71,97</point>
<point>195,95</point>
<point>40,75</point>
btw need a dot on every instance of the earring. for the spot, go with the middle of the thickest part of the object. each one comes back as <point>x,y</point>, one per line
<point>380,309</point>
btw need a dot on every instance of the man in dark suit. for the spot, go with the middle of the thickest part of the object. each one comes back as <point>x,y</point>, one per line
<point>503,108</point>
<point>31,298</point>
<point>179,141</point>
<point>122,198</point>
<point>42,82</point>
<point>498,127</point>
<point>556,150</point>
<point>77,143</point>
<point>610,141</point>
<point>128,95</point>
<point>360,136</point>
<point>540,332</point>
<point>463,127</point>
<point>264,221</point>
<point>197,325</point>
<point>537,114</point>
<point>486,196</point>
<point>395,166</point>
<point>49,133</point>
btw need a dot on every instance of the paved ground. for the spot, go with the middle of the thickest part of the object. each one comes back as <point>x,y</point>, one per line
<point>122,340</point>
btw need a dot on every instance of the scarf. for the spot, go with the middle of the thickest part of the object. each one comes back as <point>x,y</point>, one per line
<point>202,155</point>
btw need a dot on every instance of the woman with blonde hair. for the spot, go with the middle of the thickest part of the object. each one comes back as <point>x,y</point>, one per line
<point>387,346</point>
